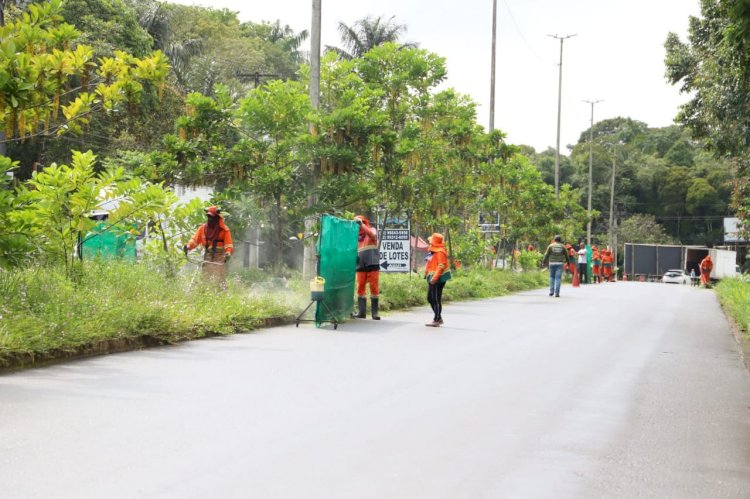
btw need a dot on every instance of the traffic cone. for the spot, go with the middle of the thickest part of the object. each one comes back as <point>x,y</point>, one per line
<point>576,280</point>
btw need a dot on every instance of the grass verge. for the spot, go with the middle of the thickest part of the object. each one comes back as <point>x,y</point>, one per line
<point>111,306</point>
<point>734,295</point>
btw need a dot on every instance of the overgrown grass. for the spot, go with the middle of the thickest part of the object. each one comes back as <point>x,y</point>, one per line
<point>734,295</point>
<point>46,314</point>
<point>399,291</point>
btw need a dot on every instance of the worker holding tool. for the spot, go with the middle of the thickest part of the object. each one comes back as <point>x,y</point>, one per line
<point>216,239</point>
<point>706,266</point>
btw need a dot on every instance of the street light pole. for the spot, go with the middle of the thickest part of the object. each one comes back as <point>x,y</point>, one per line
<point>591,168</point>
<point>492,71</point>
<point>559,112</point>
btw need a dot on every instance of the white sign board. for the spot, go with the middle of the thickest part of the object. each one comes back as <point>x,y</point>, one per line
<point>395,250</point>
<point>731,231</point>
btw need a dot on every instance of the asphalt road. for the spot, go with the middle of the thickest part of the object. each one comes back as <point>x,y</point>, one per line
<point>613,390</point>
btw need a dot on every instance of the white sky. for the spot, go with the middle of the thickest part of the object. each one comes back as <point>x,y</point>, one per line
<point>617,55</point>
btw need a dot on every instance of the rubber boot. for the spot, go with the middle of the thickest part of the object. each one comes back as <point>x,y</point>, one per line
<point>362,305</point>
<point>375,304</point>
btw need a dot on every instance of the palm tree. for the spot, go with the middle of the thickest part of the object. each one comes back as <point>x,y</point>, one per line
<point>366,34</point>
<point>288,40</point>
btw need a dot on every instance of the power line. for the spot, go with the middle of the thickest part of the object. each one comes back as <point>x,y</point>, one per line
<point>520,33</point>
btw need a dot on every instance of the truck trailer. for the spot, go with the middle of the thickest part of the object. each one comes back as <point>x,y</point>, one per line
<point>652,260</point>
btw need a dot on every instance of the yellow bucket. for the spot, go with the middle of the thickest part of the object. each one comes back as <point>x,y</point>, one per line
<point>316,288</point>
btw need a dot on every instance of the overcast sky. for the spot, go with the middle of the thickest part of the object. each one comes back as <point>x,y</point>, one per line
<point>617,55</point>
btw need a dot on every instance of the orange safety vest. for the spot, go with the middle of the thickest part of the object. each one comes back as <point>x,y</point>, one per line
<point>223,240</point>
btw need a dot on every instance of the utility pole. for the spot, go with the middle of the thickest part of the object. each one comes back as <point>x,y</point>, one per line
<point>612,198</point>
<point>559,110</point>
<point>492,71</point>
<point>591,168</point>
<point>309,267</point>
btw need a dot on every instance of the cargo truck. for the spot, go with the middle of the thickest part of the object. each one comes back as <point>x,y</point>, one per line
<point>725,261</point>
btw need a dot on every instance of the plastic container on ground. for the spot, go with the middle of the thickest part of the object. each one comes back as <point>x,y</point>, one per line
<point>317,286</point>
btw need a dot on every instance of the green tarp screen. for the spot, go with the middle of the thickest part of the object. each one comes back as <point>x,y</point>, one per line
<point>108,242</point>
<point>337,252</point>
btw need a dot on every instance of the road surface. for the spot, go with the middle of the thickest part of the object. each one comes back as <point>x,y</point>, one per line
<point>612,390</point>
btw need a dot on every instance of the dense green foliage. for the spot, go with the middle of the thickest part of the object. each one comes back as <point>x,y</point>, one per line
<point>713,66</point>
<point>385,138</point>
<point>661,173</point>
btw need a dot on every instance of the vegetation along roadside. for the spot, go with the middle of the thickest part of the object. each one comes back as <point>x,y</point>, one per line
<point>115,306</point>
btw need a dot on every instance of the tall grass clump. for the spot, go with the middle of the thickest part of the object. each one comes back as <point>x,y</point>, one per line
<point>44,310</point>
<point>734,295</point>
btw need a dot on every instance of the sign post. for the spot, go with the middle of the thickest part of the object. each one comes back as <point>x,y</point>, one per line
<point>395,250</point>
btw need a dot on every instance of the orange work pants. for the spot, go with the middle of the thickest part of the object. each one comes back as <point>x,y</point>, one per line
<point>373,279</point>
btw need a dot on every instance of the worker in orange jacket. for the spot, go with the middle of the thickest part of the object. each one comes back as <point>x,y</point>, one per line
<point>437,274</point>
<point>707,265</point>
<point>596,260</point>
<point>368,268</point>
<point>570,265</point>
<point>216,239</point>
<point>607,263</point>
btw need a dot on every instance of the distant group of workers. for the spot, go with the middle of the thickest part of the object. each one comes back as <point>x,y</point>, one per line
<point>561,257</point>
<point>602,264</point>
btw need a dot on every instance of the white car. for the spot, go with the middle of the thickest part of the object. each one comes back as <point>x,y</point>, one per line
<point>676,276</point>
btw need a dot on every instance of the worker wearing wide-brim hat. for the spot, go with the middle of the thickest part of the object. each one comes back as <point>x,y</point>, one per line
<point>216,239</point>
<point>437,273</point>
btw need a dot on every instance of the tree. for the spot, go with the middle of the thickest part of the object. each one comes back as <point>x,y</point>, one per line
<point>274,117</point>
<point>15,245</point>
<point>54,206</point>
<point>366,34</point>
<point>644,229</point>
<point>50,85</point>
<point>713,66</point>
<point>108,26</point>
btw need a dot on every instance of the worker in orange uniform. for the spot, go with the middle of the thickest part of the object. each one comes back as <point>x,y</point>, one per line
<point>437,274</point>
<point>607,263</point>
<point>706,267</point>
<point>596,267</point>
<point>216,239</point>
<point>569,267</point>
<point>368,268</point>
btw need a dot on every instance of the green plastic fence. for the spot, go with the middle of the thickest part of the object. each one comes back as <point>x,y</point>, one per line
<point>108,242</point>
<point>337,252</point>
